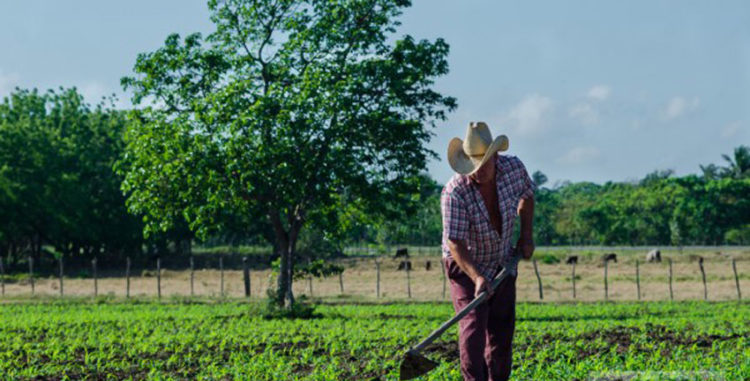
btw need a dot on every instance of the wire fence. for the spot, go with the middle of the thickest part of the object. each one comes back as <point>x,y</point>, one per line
<point>688,277</point>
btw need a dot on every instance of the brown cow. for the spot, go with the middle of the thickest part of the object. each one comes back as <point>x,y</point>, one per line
<point>404,265</point>
<point>609,257</point>
<point>402,253</point>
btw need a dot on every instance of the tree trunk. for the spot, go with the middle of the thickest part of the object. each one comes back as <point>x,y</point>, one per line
<point>284,290</point>
<point>287,240</point>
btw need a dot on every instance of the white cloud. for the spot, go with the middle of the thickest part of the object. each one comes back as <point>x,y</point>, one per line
<point>8,81</point>
<point>679,106</point>
<point>528,116</point>
<point>599,92</point>
<point>579,155</point>
<point>730,129</point>
<point>585,113</point>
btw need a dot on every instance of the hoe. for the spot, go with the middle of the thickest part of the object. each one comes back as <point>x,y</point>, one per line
<point>414,364</point>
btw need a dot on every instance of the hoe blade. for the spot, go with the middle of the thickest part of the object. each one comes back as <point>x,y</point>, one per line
<point>415,365</point>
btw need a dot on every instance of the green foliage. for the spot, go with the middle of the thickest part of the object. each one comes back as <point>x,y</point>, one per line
<point>57,187</point>
<point>301,309</point>
<point>316,269</point>
<point>314,243</point>
<point>738,236</point>
<point>539,178</point>
<point>660,209</point>
<point>549,259</point>
<point>213,341</point>
<point>290,113</point>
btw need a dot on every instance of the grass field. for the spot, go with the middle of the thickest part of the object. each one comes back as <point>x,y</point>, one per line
<point>109,338</point>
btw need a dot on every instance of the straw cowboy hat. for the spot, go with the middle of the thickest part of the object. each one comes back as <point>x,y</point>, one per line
<point>466,156</point>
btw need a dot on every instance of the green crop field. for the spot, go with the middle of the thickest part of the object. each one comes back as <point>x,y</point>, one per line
<point>181,340</point>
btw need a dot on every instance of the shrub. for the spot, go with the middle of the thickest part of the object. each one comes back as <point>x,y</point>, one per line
<point>301,309</point>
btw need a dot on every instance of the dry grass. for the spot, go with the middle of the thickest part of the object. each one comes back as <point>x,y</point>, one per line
<point>360,280</point>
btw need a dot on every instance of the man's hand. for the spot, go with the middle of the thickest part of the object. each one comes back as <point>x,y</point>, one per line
<point>482,284</point>
<point>526,245</point>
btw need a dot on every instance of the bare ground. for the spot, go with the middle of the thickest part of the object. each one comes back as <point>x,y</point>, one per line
<point>359,280</point>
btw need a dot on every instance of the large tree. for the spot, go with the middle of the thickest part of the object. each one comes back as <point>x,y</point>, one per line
<point>290,111</point>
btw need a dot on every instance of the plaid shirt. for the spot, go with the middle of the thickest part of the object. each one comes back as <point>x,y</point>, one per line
<point>465,215</point>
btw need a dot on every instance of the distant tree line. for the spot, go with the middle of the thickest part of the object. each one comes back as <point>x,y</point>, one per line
<point>711,208</point>
<point>60,196</point>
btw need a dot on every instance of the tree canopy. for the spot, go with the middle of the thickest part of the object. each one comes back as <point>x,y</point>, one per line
<point>290,112</point>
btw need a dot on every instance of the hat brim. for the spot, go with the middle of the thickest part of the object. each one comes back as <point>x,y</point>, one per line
<point>462,163</point>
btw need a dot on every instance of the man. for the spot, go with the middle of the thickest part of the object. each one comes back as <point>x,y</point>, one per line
<point>479,204</point>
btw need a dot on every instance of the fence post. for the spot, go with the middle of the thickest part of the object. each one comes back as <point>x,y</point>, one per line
<point>93,271</point>
<point>192,276</point>
<point>341,282</point>
<point>60,262</point>
<point>2,276</point>
<point>606,286</point>
<point>703,276</point>
<point>221,272</point>
<point>127,277</point>
<point>31,273</point>
<point>309,278</point>
<point>377,282</point>
<point>408,279</point>
<point>158,277</point>
<point>671,295</point>
<point>638,279</point>
<point>246,276</point>
<point>538,279</point>
<point>736,279</point>
<point>573,277</point>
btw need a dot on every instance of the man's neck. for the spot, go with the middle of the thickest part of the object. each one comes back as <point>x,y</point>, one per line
<point>485,185</point>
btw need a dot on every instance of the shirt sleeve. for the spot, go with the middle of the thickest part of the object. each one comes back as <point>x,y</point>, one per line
<point>529,187</point>
<point>455,217</point>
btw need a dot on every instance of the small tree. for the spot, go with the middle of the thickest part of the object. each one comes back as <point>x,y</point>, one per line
<point>290,111</point>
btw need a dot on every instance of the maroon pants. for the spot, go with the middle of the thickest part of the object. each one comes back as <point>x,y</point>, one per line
<point>485,335</point>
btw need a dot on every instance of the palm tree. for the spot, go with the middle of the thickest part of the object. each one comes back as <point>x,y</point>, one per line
<point>713,172</point>
<point>739,166</point>
<point>539,178</point>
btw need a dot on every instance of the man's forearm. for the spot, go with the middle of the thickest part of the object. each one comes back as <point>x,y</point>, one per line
<point>460,254</point>
<point>526,211</point>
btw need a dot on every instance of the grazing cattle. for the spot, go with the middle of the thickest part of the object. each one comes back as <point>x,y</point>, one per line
<point>404,265</point>
<point>427,266</point>
<point>402,253</point>
<point>653,256</point>
<point>609,257</point>
<point>572,259</point>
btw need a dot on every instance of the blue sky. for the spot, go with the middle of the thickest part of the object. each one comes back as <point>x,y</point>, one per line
<point>585,90</point>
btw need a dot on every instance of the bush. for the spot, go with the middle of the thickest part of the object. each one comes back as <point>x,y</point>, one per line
<point>550,259</point>
<point>739,236</point>
<point>301,309</point>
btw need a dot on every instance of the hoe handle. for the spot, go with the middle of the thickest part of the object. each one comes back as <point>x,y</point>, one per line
<point>474,303</point>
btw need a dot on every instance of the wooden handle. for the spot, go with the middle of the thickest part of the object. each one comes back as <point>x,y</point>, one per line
<point>464,311</point>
